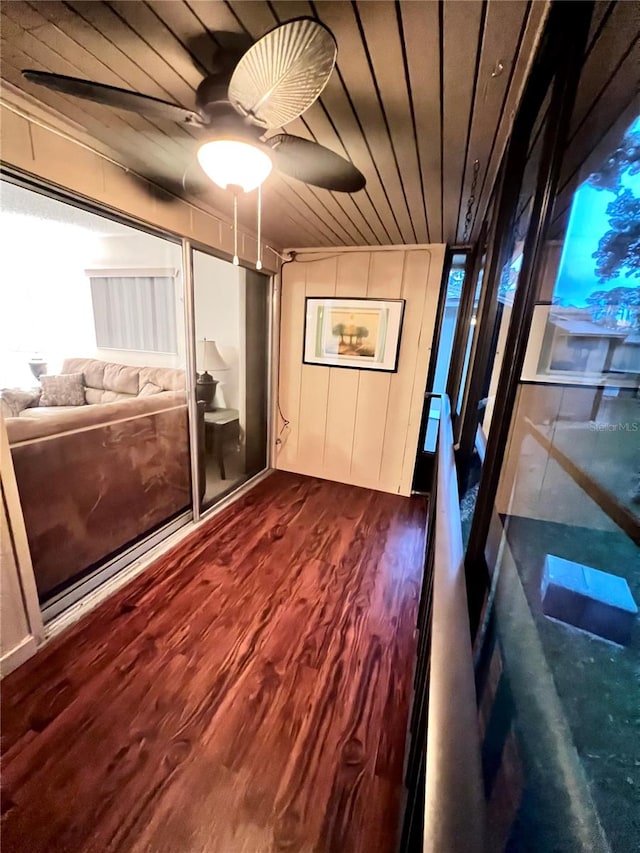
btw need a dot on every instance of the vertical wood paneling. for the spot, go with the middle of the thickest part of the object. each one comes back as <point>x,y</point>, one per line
<point>290,363</point>
<point>314,384</point>
<point>385,282</point>
<point>20,618</point>
<point>418,332</point>
<point>401,388</point>
<point>342,400</point>
<point>14,626</point>
<point>422,270</point>
<point>357,426</point>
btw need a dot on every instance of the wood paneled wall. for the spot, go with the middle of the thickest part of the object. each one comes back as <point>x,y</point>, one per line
<point>42,151</point>
<point>20,619</point>
<point>357,426</point>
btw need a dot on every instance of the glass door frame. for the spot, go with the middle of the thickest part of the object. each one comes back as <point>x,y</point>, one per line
<point>423,469</point>
<point>463,325</point>
<point>190,246</point>
<point>54,612</point>
<point>58,613</point>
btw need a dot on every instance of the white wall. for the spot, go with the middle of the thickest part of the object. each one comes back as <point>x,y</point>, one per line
<point>45,301</point>
<point>46,305</point>
<point>219,312</point>
<point>357,426</point>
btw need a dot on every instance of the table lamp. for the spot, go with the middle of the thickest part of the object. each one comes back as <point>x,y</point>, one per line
<point>209,358</point>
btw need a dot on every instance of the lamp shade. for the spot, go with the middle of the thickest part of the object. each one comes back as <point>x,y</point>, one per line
<point>229,161</point>
<point>209,357</point>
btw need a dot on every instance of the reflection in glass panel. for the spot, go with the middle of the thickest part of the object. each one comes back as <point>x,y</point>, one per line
<point>503,302</point>
<point>92,375</point>
<point>567,555</point>
<point>455,282</point>
<point>472,331</point>
<point>510,275</point>
<point>231,325</point>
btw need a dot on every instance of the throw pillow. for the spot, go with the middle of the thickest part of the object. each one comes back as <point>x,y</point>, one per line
<point>14,400</point>
<point>148,389</point>
<point>67,389</point>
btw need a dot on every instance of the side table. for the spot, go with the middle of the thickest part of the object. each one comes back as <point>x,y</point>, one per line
<point>221,426</point>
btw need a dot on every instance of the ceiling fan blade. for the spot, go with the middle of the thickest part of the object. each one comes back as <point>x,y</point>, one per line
<point>111,96</point>
<point>314,164</point>
<point>283,73</point>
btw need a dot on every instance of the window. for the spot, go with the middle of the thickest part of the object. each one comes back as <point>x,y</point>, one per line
<point>134,312</point>
<point>560,641</point>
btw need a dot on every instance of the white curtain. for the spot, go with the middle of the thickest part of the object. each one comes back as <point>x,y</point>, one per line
<point>135,313</point>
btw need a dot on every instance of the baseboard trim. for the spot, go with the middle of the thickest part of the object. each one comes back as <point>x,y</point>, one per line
<point>25,649</point>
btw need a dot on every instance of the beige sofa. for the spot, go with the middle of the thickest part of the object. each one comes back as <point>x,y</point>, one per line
<point>94,478</point>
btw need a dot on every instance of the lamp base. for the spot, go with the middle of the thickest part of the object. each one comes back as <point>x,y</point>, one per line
<point>206,390</point>
<point>37,367</point>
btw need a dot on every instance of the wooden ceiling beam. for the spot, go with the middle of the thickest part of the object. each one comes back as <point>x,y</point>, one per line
<point>381,28</point>
<point>502,35</point>
<point>420,26</point>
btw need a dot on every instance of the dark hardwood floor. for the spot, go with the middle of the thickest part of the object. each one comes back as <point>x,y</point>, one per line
<point>249,692</point>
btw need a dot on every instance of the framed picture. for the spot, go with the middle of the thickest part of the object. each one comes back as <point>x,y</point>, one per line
<point>357,333</point>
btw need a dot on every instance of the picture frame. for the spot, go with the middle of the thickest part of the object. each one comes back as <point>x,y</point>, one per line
<point>357,333</point>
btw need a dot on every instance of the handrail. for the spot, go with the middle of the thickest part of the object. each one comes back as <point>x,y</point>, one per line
<point>454,800</point>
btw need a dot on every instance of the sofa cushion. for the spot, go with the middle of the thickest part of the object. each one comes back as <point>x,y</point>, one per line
<point>167,378</point>
<point>66,389</point>
<point>92,368</point>
<point>121,378</point>
<point>95,395</point>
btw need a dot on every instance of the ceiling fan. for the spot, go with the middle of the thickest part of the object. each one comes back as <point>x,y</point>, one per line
<point>272,84</point>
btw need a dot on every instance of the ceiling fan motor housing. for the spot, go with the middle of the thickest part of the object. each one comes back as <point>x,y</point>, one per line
<point>212,91</point>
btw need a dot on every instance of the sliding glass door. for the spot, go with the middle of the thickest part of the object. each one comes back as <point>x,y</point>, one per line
<point>92,389</point>
<point>232,363</point>
<point>94,392</point>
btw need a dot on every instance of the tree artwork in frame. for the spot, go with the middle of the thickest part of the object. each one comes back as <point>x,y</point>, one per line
<point>359,333</point>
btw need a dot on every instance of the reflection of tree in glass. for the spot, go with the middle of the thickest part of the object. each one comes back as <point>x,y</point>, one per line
<point>625,157</point>
<point>619,248</point>
<point>612,307</point>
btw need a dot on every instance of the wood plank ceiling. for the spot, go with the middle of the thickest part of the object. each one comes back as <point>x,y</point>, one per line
<point>421,91</point>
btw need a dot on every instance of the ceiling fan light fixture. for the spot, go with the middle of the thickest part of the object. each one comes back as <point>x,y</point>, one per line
<point>230,162</point>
